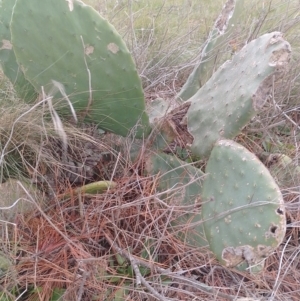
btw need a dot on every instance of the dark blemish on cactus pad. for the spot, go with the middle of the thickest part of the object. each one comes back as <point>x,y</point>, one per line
<point>280,211</point>
<point>273,229</point>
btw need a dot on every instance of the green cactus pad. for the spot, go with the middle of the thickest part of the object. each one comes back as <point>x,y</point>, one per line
<point>69,43</point>
<point>180,184</point>
<point>243,210</point>
<point>236,92</point>
<point>157,109</point>
<point>8,60</point>
<point>224,26</point>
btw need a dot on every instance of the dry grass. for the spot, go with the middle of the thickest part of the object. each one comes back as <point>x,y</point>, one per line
<point>74,244</point>
<point>87,246</point>
<point>165,37</point>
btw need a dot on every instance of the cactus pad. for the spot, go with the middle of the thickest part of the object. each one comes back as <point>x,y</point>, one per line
<point>69,43</point>
<point>223,28</point>
<point>8,60</point>
<point>243,211</point>
<point>180,184</point>
<point>236,92</point>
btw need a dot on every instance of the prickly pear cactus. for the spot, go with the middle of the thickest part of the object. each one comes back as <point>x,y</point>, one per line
<point>243,210</point>
<point>223,28</point>
<point>236,92</point>
<point>68,44</point>
<point>8,60</point>
<point>180,184</point>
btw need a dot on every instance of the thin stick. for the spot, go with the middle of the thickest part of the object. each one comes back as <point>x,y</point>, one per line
<point>81,287</point>
<point>134,263</point>
<point>90,79</point>
<point>177,275</point>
